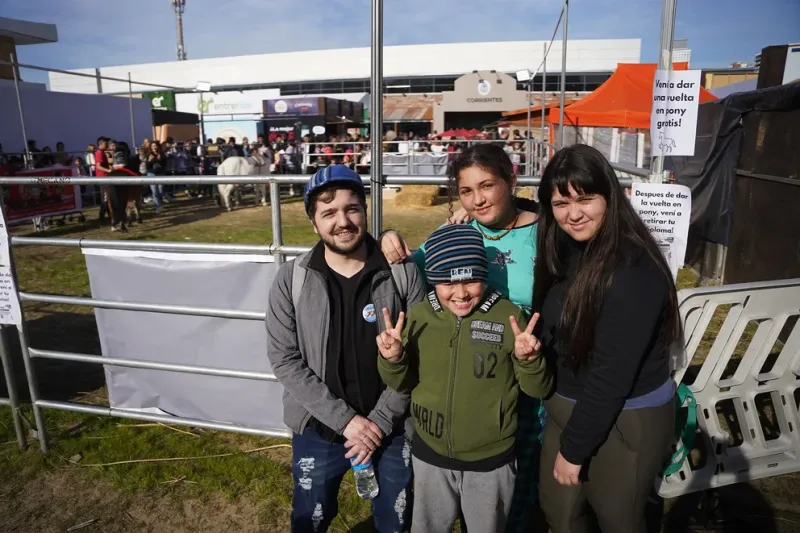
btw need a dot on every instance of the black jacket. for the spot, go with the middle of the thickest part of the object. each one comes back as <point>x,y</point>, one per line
<point>628,358</point>
<point>352,369</point>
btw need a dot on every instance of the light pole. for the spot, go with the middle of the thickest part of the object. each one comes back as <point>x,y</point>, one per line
<point>527,76</point>
<point>563,74</point>
<point>376,118</point>
<point>130,110</point>
<point>544,89</point>
<point>664,63</point>
<point>202,87</point>
<point>15,70</point>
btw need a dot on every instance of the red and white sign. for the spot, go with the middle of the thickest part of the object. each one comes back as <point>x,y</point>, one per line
<point>53,194</point>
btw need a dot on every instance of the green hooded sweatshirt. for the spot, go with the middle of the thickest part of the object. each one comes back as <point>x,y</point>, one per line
<point>463,376</point>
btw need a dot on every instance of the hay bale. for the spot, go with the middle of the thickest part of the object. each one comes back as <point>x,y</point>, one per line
<point>525,192</point>
<point>414,199</point>
<point>432,190</point>
<point>417,196</point>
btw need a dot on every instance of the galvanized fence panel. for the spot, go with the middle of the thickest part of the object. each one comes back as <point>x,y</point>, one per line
<point>277,249</point>
<point>11,386</point>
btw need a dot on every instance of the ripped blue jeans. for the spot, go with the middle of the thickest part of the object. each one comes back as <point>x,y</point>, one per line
<point>318,467</point>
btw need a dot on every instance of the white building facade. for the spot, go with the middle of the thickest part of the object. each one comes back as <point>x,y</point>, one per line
<point>348,70</point>
<point>425,74</point>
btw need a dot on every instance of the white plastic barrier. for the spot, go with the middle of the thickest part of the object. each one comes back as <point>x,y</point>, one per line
<point>758,400</point>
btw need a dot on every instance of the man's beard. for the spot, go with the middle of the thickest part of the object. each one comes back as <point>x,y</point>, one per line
<point>330,242</point>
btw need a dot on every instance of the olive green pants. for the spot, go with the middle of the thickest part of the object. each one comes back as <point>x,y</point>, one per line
<point>617,481</point>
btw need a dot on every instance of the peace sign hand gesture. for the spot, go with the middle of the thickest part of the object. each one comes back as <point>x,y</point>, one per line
<point>390,342</point>
<point>526,346</point>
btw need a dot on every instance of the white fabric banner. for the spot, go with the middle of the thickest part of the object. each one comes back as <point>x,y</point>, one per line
<point>202,280</point>
<point>666,210</point>
<point>673,122</point>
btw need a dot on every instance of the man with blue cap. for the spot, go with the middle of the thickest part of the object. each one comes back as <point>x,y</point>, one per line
<point>321,329</point>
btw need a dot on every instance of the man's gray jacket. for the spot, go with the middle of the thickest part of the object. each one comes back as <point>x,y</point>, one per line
<point>297,340</point>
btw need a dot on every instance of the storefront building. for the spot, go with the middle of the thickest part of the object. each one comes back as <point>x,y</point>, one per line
<point>478,98</point>
<point>314,116</point>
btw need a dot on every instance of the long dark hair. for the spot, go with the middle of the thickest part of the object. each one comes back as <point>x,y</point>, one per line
<point>486,156</point>
<point>588,171</point>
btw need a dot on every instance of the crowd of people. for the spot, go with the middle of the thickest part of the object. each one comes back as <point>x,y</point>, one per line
<point>39,157</point>
<point>354,150</point>
<point>283,154</point>
<point>287,154</point>
<point>519,358</point>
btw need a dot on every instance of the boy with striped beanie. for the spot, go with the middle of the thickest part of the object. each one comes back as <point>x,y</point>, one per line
<point>464,353</point>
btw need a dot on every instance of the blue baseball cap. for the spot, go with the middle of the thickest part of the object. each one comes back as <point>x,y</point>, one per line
<point>330,175</point>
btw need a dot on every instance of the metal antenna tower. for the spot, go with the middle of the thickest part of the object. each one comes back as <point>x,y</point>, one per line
<point>180,6</point>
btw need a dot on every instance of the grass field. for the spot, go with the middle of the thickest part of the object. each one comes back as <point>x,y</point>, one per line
<point>236,490</point>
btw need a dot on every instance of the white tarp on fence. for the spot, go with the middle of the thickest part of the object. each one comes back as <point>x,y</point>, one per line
<point>202,280</point>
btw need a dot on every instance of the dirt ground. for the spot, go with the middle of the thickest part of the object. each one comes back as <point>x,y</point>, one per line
<point>55,502</point>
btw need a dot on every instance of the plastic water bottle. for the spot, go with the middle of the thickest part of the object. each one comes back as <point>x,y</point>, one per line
<point>366,484</point>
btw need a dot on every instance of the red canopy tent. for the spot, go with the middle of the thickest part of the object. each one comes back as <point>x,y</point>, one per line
<point>615,118</point>
<point>623,101</point>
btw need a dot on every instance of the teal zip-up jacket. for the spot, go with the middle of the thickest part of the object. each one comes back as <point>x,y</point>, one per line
<point>463,376</point>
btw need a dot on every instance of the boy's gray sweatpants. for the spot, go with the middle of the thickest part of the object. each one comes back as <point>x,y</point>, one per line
<point>441,495</point>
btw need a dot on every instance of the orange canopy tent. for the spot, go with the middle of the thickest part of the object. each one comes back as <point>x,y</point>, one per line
<point>625,100</point>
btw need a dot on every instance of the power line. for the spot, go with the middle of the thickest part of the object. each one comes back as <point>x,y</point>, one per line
<point>95,76</point>
<point>555,31</point>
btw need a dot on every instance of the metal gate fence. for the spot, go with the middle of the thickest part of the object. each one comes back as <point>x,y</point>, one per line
<point>11,385</point>
<point>278,249</point>
<point>751,381</point>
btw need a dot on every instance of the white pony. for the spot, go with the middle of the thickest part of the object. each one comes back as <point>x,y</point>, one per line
<point>254,165</point>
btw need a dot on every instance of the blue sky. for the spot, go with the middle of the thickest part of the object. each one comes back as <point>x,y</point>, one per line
<point>92,34</point>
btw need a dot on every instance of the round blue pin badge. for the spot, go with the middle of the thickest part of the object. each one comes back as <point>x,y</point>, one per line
<point>369,313</point>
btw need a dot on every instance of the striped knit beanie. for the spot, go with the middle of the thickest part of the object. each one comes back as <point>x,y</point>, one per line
<point>455,253</point>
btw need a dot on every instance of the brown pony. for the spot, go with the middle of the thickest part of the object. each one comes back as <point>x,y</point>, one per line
<point>122,199</point>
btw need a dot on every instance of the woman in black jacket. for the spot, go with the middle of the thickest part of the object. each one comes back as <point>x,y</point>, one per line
<point>609,314</point>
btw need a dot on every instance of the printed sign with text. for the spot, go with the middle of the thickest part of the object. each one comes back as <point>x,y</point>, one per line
<point>4,259</point>
<point>673,122</point>
<point>9,300</point>
<point>666,210</point>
